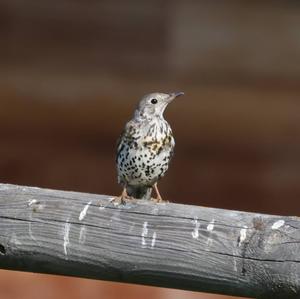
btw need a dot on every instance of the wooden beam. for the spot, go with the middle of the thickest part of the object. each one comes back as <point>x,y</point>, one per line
<point>167,245</point>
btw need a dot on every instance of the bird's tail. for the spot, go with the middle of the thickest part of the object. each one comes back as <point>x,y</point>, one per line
<point>139,192</point>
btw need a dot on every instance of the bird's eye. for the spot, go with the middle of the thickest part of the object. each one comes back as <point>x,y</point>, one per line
<point>154,101</point>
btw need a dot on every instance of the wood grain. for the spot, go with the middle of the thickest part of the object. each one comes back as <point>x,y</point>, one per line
<point>167,245</point>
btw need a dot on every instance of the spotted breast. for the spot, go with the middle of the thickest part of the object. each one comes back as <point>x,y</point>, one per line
<point>144,154</point>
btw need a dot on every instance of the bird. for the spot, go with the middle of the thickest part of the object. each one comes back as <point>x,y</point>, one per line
<point>145,148</point>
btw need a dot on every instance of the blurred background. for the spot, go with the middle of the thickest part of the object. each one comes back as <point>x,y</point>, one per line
<point>72,72</point>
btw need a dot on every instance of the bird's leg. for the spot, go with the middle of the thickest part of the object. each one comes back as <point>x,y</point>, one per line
<point>158,196</point>
<point>124,196</point>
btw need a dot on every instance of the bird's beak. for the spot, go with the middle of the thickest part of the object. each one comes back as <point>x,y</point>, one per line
<point>174,95</point>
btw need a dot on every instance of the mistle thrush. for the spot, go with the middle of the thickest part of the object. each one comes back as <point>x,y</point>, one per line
<point>145,147</point>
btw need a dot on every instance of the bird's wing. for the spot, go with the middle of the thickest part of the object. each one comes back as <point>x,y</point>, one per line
<point>125,137</point>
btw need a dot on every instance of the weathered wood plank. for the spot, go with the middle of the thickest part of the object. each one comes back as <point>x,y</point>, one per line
<point>168,245</point>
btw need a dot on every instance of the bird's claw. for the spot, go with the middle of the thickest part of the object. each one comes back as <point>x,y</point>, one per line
<point>158,200</point>
<point>121,200</point>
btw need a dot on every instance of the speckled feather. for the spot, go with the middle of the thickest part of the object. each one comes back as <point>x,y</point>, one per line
<point>145,146</point>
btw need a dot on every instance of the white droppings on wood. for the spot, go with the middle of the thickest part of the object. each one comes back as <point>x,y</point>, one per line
<point>82,234</point>
<point>30,228</point>
<point>234,264</point>
<point>235,258</point>
<point>101,207</point>
<point>243,235</point>
<point>144,233</point>
<point>210,228</point>
<point>278,224</point>
<point>211,225</point>
<point>153,240</point>
<point>32,202</point>
<point>84,211</point>
<point>66,237</point>
<point>195,232</point>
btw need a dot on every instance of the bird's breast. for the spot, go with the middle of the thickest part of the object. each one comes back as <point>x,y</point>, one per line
<point>157,136</point>
<point>156,145</point>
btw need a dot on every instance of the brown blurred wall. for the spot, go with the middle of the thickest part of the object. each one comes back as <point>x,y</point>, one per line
<point>72,72</point>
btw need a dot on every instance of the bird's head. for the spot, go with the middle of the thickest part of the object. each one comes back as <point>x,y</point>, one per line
<point>154,104</point>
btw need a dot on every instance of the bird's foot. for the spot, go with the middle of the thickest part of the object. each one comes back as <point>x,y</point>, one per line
<point>158,200</point>
<point>122,199</point>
